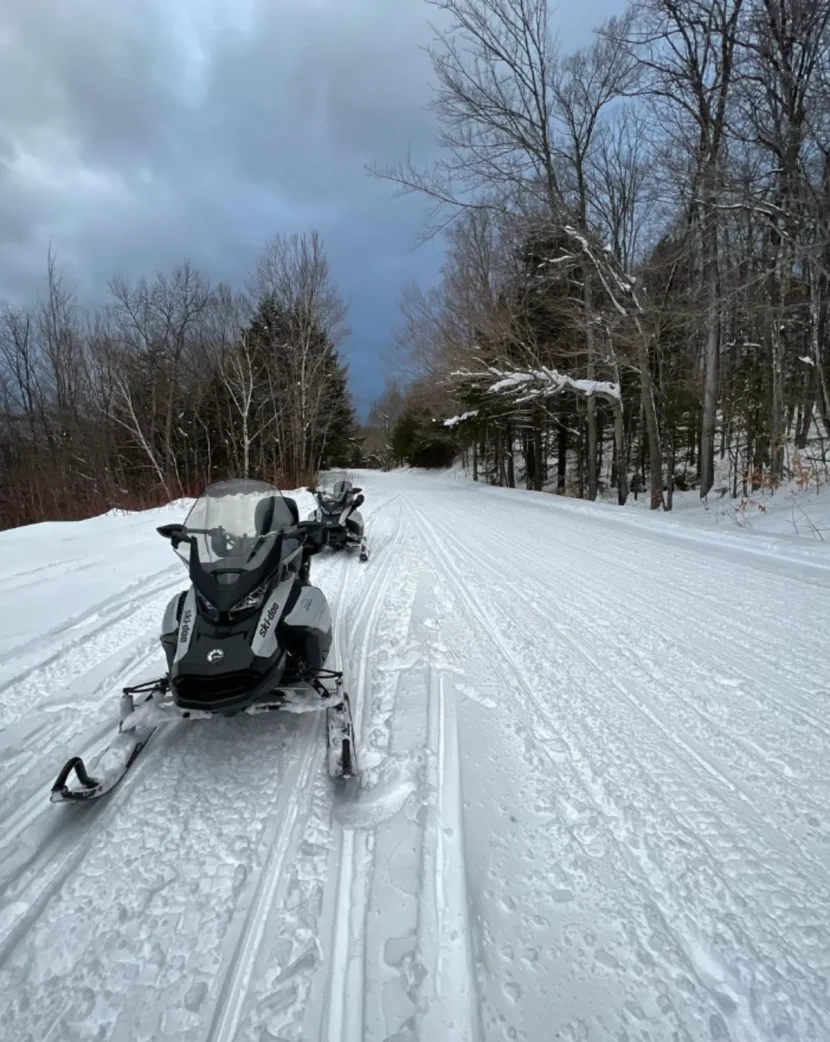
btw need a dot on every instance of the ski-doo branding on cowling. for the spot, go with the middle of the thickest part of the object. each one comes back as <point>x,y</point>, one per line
<point>250,635</point>
<point>343,522</point>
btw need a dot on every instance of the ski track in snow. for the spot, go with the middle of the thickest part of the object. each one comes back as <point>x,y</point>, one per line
<point>595,801</point>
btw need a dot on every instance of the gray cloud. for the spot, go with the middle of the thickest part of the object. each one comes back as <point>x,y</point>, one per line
<point>138,132</point>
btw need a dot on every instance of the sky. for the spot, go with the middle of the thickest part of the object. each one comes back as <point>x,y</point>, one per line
<point>137,133</point>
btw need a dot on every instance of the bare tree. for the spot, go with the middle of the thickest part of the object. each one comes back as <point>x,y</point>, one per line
<point>496,67</point>
<point>588,81</point>
<point>687,52</point>
<point>307,316</point>
<point>155,324</point>
<point>784,45</point>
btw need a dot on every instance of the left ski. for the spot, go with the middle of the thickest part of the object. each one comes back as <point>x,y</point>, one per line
<point>114,762</point>
<point>93,788</point>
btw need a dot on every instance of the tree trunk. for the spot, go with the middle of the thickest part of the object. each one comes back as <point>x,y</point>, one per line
<point>537,452</point>
<point>710,357</point>
<point>670,474</point>
<point>652,426</point>
<point>530,462</point>
<point>619,446</point>
<point>592,461</point>
<point>562,459</point>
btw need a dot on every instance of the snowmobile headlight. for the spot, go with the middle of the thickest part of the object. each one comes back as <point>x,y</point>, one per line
<point>206,607</point>
<point>253,600</point>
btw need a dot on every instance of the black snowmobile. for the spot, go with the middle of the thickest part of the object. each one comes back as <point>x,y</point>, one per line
<point>343,523</point>
<point>250,635</point>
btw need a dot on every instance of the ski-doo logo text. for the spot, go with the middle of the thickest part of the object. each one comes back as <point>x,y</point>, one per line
<point>184,631</point>
<point>270,615</point>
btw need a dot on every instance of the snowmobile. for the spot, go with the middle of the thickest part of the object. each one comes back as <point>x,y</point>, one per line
<point>343,522</point>
<point>250,635</point>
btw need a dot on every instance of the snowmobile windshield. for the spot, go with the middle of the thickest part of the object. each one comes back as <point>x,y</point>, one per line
<point>236,523</point>
<point>333,496</point>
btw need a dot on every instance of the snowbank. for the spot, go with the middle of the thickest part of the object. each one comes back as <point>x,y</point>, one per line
<point>86,561</point>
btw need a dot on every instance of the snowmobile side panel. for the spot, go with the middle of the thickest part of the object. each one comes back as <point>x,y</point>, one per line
<point>310,611</point>
<point>264,643</point>
<point>307,627</point>
<point>172,614</point>
<point>186,625</point>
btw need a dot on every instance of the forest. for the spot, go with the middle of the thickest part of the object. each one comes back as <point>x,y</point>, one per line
<point>172,382</point>
<point>635,296</point>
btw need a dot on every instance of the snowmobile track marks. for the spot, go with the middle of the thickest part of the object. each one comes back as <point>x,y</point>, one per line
<point>91,623</point>
<point>245,938</point>
<point>688,747</point>
<point>678,821</point>
<point>60,850</point>
<point>755,669</point>
<point>449,991</point>
<point>65,668</point>
<point>342,1018</point>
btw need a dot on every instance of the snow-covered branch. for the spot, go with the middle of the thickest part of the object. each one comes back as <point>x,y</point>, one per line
<point>535,383</point>
<point>454,421</point>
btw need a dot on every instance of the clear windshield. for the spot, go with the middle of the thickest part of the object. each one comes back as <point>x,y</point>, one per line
<point>236,522</point>
<point>335,487</point>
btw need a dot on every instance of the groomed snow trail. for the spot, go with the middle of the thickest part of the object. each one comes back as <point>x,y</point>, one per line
<point>595,804</point>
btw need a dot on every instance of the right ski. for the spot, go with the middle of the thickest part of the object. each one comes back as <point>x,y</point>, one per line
<point>342,762</point>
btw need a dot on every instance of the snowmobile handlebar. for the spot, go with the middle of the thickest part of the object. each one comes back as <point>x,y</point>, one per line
<point>177,533</point>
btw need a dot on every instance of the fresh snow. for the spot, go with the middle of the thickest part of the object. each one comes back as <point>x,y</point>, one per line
<point>536,383</point>
<point>596,802</point>
<point>453,421</point>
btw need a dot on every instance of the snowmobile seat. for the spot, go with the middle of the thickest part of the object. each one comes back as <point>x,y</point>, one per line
<point>292,506</point>
<point>267,511</point>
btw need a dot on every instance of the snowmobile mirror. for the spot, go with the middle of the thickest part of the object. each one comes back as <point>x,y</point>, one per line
<point>219,543</point>
<point>175,533</point>
<point>358,501</point>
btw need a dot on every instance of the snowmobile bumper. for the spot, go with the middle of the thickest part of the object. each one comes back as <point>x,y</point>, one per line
<point>139,723</point>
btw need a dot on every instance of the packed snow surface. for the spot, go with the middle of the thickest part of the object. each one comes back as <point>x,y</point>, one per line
<point>596,802</point>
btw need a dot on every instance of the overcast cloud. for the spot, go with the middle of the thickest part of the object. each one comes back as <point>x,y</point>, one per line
<point>135,133</point>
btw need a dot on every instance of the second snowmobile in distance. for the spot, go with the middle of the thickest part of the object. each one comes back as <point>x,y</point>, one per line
<point>344,528</point>
<point>250,635</point>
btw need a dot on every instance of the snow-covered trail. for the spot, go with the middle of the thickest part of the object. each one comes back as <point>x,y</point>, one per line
<point>596,801</point>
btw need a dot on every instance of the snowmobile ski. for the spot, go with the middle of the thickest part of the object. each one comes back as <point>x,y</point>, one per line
<point>342,762</point>
<point>115,761</point>
<point>92,788</point>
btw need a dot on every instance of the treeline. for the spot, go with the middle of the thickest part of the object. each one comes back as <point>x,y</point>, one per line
<point>174,381</point>
<point>636,293</point>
